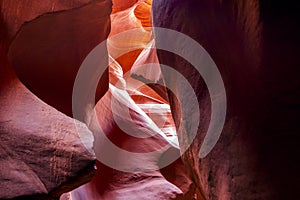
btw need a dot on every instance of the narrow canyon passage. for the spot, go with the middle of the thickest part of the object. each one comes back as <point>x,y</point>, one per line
<point>149,114</point>
<point>149,111</point>
<point>149,99</point>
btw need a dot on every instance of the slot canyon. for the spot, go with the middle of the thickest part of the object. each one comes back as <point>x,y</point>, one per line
<point>149,99</point>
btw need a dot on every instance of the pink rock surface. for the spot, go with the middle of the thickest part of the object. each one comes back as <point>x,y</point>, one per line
<point>255,45</point>
<point>127,176</point>
<point>110,183</point>
<point>41,154</point>
<point>40,148</point>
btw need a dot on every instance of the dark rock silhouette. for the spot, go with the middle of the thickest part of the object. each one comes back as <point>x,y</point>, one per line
<point>255,46</point>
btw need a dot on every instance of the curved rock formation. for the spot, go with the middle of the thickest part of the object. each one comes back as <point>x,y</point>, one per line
<point>41,153</point>
<point>129,176</point>
<point>142,182</point>
<point>47,52</point>
<point>132,176</point>
<point>253,43</point>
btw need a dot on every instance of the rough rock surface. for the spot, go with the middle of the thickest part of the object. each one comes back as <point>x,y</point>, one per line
<point>41,154</point>
<point>40,148</point>
<point>254,45</point>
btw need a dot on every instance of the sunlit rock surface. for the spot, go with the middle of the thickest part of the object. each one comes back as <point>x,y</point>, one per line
<point>42,45</point>
<point>142,182</point>
<point>132,176</point>
<point>253,43</point>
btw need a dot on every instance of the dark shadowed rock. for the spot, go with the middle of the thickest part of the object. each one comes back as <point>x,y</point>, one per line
<point>47,52</point>
<point>255,46</point>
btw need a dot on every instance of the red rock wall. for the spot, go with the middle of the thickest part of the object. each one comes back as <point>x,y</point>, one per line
<point>41,153</point>
<point>48,51</point>
<point>254,45</point>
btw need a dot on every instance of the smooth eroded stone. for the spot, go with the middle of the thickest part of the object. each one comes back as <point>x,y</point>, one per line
<point>254,45</point>
<point>41,154</point>
<point>48,52</point>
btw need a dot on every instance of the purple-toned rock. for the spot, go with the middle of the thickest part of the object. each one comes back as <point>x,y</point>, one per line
<point>254,45</point>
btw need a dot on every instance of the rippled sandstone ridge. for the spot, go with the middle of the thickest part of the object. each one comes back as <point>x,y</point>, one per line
<point>44,43</point>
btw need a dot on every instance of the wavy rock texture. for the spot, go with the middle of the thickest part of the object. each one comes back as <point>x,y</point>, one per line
<point>254,45</point>
<point>149,114</point>
<point>42,155</point>
<point>143,182</point>
<point>143,179</point>
<point>47,53</point>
